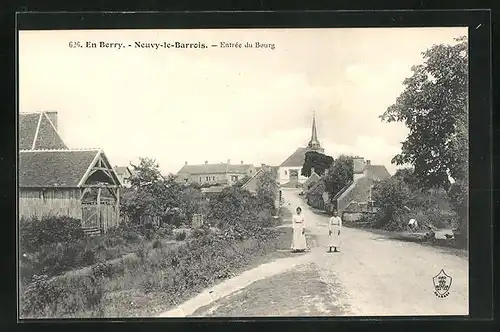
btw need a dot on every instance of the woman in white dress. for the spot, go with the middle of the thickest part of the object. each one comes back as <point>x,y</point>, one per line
<point>334,227</point>
<point>299,237</point>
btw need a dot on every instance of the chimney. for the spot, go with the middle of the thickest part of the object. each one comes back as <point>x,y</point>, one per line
<point>185,163</point>
<point>229,161</point>
<point>242,162</point>
<point>312,170</point>
<point>52,115</point>
<point>359,164</point>
<point>206,162</point>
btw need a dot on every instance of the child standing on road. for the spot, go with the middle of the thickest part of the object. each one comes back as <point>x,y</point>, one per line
<point>334,226</point>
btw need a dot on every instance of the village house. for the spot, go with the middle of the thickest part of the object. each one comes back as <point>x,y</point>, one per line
<point>315,195</point>
<point>311,180</point>
<point>57,181</point>
<point>253,183</point>
<point>124,173</point>
<point>355,199</point>
<point>290,169</point>
<point>221,174</point>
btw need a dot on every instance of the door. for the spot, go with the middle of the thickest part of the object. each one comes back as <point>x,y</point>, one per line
<point>91,216</point>
<point>294,175</point>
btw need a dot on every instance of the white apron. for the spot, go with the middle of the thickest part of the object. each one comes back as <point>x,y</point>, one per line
<point>334,226</point>
<point>299,239</point>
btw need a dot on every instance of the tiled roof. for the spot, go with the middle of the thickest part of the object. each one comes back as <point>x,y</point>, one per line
<point>296,159</point>
<point>27,129</point>
<point>36,127</point>
<point>377,172</point>
<point>318,188</point>
<point>54,168</point>
<point>341,191</point>
<point>214,168</point>
<point>240,168</point>
<point>252,183</point>
<point>311,179</point>
<point>359,193</point>
<point>123,170</point>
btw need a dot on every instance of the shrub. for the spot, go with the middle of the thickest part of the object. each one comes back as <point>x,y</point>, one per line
<point>199,232</point>
<point>141,252</point>
<point>35,233</point>
<point>157,244</point>
<point>180,236</point>
<point>101,270</point>
<point>88,257</point>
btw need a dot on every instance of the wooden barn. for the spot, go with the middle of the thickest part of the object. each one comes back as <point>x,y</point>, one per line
<point>57,181</point>
<point>75,183</point>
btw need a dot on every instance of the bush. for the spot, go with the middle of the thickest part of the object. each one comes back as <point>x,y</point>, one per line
<point>157,244</point>
<point>180,236</point>
<point>46,297</point>
<point>34,233</point>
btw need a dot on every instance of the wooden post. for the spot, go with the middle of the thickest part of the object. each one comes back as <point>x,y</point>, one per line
<point>99,210</point>
<point>118,207</point>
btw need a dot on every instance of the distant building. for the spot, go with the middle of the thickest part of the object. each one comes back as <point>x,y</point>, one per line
<point>124,175</point>
<point>290,169</point>
<point>253,183</point>
<point>358,192</point>
<point>313,178</point>
<point>314,196</point>
<point>215,174</point>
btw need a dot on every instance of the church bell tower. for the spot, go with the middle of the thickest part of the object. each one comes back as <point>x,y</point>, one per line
<point>314,143</point>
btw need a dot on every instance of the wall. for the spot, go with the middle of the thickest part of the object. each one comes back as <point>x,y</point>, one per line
<point>354,216</point>
<point>62,202</point>
<point>284,176</point>
<point>213,178</point>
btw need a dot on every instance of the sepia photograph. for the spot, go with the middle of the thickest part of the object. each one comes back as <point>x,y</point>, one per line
<point>243,172</point>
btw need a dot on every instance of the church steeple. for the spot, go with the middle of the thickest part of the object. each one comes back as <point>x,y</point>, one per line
<point>314,143</point>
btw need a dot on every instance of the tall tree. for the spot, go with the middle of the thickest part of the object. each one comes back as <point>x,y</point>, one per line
<point>434,107</point>
<point>319,161</point>
<point>339,174</point>
<point>151,193</point>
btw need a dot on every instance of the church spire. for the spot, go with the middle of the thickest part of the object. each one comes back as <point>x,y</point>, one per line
<point>314,143</point>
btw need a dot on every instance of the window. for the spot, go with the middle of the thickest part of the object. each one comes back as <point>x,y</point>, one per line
<point>234,178</point>
<point>285,173</point>
<point>208,178</point>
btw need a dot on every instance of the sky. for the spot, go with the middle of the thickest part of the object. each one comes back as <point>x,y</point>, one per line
<point>216,104</point>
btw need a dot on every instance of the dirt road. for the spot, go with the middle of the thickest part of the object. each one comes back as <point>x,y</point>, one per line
<point>371,275</point>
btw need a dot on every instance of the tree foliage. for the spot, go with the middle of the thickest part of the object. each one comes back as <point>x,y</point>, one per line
<point>339,174</point>
<point>267,189</point>
<point>434,108</point>
<point>319,161</point>
<point>154,195</point>
<point>237,208</point>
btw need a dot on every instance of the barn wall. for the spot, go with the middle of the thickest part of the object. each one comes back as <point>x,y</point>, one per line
<point>53,202</point>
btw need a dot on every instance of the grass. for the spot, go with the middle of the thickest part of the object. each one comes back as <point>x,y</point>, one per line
<point>59,258</point>
<point>148,281</point>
